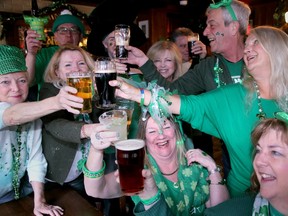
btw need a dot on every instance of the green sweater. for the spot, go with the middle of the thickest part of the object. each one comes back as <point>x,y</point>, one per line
<point>197,80</point>
<point>223,114</point>
<point>43,57</point>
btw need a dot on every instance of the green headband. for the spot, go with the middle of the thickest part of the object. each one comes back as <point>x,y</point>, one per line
<point>283,116</point>
<point>227,5</point>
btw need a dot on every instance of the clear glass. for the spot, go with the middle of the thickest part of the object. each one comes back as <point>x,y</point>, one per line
<point>117,121</point>
<point>82,81</point>
<point>105,70</point>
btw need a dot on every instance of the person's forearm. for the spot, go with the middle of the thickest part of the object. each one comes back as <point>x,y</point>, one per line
<point>29,111</point>
<point>38,188</point>
<point>218,190</point>
<point>104,186</point>
<point>30,63</point>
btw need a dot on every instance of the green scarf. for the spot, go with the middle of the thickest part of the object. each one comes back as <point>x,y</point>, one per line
<point>261,207</point>
<point>187,196</point>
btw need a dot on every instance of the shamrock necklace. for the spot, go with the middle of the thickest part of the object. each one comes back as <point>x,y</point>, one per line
<point>261,115</point>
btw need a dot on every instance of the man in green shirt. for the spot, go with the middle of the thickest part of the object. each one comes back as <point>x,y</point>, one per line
<point>67,29</point>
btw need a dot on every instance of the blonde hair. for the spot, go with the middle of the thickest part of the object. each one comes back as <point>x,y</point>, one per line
<point>161,46</point>
<point>50,72</point>
<point>181,149</point>
<point>276,49</point>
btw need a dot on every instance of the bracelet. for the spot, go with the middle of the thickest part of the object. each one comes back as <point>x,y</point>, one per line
<point>142,97</point>
<point>222,182</point>
<point>217,169</point>
<point>152,199</point>
<point>89,174</point>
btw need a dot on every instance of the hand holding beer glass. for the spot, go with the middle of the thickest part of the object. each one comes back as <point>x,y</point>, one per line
<point>122,38</point>
<point>130,156</point>
<point>191,43</point>
<point>105,71</point>
<point>116,120</point>
<point>82,81</point>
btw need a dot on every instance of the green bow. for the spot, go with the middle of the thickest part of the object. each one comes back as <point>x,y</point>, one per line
<point>227,5</point>
<point>283,116</point>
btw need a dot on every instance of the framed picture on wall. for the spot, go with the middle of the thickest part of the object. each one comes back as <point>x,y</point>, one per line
<point>144,25</point>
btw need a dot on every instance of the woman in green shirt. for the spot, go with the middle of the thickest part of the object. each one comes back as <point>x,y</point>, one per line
<point>231,112</point>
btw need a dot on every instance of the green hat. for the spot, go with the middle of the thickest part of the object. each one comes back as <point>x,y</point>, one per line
<point>68,18</point>
<point>11,60</point>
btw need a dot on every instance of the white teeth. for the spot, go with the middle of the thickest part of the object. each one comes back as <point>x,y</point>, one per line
<point>162,144</point>
<point>266,176</point>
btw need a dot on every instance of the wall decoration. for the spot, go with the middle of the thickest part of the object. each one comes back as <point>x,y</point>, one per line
<point>144,26</point>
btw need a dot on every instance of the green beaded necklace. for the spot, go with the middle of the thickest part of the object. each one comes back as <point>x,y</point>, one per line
<point>16,151</point>
<point>218,71</point>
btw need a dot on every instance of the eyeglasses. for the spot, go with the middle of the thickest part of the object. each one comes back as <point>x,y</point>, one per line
<point>65,31</point>
<point>224,3</point>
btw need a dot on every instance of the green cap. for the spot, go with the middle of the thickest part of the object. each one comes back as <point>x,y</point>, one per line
<point>68,18</point>
<point>11,60</point>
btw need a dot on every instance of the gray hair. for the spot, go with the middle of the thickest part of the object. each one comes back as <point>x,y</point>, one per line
<point>242,12</point>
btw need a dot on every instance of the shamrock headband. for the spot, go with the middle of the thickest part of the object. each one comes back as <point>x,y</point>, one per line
<point>224,3</point>
<point>283,116</point>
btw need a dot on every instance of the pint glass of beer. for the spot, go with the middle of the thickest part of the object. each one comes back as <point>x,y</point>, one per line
<point>82,81</point>
<point>122,38</point>
<point>130,156</point>
<point>191,42</point>
<point>105,71</point>
<point>117,121</point>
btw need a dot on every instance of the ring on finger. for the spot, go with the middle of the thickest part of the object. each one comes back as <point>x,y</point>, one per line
<point>120,84</point>
<point>98,137</point>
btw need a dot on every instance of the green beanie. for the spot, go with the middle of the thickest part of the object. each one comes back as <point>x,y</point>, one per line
<point>11,60</point>
<point>68,18</point>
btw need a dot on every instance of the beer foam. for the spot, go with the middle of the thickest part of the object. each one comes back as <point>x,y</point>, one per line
<point>105,71</point>
<point>130,144</point>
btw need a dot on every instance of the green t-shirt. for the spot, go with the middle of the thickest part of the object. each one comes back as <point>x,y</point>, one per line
<point>235,70</point>
<point>223,113</point>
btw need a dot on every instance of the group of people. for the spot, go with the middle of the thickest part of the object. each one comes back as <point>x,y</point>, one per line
<point>250,117</point>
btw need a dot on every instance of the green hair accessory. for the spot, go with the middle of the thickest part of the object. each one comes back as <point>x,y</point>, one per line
<point>283,116</point>
<point>159,105</point>
<point>224,3</point>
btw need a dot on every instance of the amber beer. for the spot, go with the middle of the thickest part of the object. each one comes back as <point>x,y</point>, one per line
<point>130,156</point>
<point>82,81</point>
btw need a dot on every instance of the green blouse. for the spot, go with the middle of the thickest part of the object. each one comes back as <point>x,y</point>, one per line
<point>188,195</point>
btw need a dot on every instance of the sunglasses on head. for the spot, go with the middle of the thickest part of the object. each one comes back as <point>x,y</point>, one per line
<point>224,3</point>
